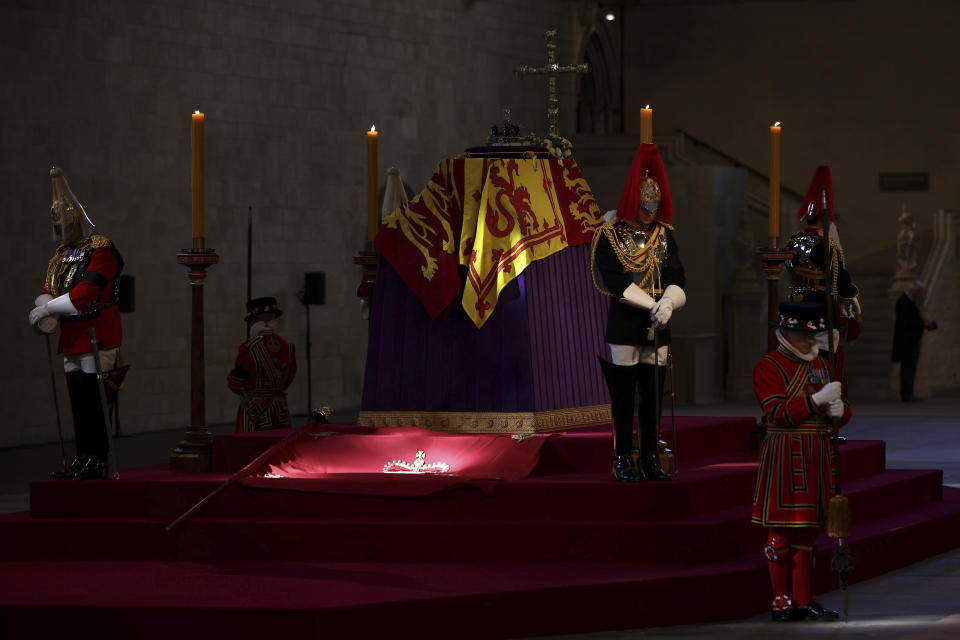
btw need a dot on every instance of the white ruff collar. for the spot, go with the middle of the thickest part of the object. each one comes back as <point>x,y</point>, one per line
<point>792,350</point>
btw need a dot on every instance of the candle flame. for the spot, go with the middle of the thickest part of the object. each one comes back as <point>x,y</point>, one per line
<point>777,123</point>
<point>647,107</point>
<point>373,127</point>
<point>197,112</point>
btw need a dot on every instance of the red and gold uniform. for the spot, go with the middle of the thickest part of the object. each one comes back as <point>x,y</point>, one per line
<point>89,273</point>
<point>79,293</point>
<point>794,481</point>
<point>795,478</point>
<point>265,367</point>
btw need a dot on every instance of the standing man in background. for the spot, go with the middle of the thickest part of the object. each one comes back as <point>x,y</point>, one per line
<point>907,332</point>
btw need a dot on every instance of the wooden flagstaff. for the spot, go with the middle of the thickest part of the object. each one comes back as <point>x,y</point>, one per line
<point>838,510</point>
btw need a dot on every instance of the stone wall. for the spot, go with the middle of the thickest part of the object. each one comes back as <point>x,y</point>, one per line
<point>105,89</point>
<point>866,86</point>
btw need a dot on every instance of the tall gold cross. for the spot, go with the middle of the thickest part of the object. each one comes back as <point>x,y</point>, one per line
<point>551,70</point>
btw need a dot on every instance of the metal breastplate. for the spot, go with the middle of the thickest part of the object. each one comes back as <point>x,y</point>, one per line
<point>806,264</point>
<point>642,252</point>
<point>633,241</point>
<point>69,272</point>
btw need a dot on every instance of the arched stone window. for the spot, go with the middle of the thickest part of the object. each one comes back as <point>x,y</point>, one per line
<point>599,104</point>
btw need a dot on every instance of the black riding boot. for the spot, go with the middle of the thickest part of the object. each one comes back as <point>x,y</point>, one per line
<point>89,426</point>
<point>650,468</point>
<point>75,389</point>
<point>620,382</point>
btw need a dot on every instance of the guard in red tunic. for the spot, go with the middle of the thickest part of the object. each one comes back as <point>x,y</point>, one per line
<point>80,292</point>
<point>795,480</point>
<point>266,365</point>
<point>638,260</point>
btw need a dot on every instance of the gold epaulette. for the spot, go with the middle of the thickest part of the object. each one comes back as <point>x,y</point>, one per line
<point>98,241</point>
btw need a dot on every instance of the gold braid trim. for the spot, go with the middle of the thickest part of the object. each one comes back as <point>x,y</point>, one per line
<point>836,259</point>
<point>645,262</point>
<point>57,267</point>
<point>489,421</point>
<point>593,262</point>
<point>98,241</point>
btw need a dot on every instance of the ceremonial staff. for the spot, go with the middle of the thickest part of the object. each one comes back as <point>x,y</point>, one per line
<point>838,514</point>
<point>320,416</point>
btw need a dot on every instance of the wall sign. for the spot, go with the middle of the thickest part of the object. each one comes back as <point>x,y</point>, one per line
<point>916,181</point>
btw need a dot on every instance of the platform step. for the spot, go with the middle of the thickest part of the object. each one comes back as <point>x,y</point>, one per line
<point>473,600</point>
<point>470,537</point>
<point>155,493</point>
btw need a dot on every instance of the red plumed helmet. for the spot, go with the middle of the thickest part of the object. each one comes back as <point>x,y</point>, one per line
<point>646,161</point>
<point>812,203</point>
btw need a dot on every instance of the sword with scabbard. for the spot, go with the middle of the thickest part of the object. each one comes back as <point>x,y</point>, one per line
<point>56,404</point>
<point>673,413</point>
<point>111,455</point>
<point>654,334</point>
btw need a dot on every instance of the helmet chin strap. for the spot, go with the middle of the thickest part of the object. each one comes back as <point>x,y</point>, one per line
<point>86,217</point>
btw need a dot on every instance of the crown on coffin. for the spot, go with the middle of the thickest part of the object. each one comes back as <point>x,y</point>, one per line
<point>417,466</point>
<point>507,132</point>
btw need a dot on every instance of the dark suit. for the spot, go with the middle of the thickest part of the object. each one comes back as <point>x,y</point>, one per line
<point>907,332</point>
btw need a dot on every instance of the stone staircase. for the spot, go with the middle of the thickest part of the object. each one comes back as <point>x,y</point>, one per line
<point>868,357</point>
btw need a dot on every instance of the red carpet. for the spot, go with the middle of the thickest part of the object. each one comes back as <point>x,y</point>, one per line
<point>563,550</point>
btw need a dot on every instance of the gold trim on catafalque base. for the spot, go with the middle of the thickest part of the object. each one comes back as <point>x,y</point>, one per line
<point>488,421</point>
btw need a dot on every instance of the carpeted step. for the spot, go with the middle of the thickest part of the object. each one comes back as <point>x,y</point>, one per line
<point>590,450</point>
<point>473,600</point>
<point>585,450</point>
<point>155,493</point>
<point>470,537</point>
<point>363,600</point>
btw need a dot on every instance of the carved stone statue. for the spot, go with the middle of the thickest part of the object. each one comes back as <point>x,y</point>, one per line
<point>906,249</point>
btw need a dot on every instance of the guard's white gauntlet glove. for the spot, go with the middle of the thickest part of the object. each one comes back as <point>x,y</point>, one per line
<point>673,298</point>
<point>637,297</point>
<point>51,308</point>
<point>835,409</point>
<point>45,323</point>
<point>829,393</point>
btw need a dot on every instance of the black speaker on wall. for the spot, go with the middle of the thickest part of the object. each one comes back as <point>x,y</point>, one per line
<point>314,287</point>
<point>126,294</point>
